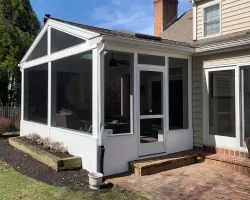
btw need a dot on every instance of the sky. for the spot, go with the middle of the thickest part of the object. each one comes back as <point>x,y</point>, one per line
<point>127,15</point>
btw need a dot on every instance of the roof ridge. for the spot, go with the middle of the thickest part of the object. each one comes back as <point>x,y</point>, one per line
<point>177,19</point>
<point>90,26</point>
<point>115,33</point>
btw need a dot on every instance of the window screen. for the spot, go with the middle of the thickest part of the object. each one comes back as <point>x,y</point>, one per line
<point>61,40</point>
<point>41,48</point>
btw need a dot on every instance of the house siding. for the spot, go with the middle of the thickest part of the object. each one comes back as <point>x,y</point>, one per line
<point>235,16</point>
<point>199,62</point>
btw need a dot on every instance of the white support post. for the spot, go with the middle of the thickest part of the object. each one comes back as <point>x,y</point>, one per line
<point>102,96</point>
<point>49,98</point>
<point>167,94</point>
<point>190,91</point>
<point>166,99</point>
<point>49,80</point>
<point>95,94</point>
<point>22,100</point>
<point>49,40</point>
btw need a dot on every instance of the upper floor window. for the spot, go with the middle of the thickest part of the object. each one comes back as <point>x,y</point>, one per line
<point>212,20</point>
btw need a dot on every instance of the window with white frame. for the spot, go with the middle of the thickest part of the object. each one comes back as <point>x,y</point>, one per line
<point>222,103</point>
<point>212,20</point>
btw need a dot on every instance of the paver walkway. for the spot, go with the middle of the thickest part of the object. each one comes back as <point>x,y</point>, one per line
<point>198,181</point>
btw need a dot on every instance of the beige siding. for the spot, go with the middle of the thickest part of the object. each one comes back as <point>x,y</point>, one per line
<point>198,63</point>
<point>235,16</point>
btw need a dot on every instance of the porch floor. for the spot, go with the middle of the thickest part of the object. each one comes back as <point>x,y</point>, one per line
<point>198,181</point>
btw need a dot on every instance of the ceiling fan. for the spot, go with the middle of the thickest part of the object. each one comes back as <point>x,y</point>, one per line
<point>114,63</point>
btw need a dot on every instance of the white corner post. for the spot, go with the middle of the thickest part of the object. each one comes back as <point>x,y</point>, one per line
<point>49,82</point>
<point>95,94</point>
<point>101,93</point>
<point>98,92</point>
<point>98,100</point>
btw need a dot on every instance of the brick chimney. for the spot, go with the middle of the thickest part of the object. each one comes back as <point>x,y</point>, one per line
<point>165,12</point>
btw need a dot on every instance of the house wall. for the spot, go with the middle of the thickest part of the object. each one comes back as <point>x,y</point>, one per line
<point>235,16</point>
<point>199,62</point>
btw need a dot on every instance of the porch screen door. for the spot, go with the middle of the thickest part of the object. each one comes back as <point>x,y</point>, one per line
<point>151,110</point>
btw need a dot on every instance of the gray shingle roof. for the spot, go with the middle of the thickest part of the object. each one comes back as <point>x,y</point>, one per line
<point>222,38</point>
<point>181,30</point>
<point>115,33</point>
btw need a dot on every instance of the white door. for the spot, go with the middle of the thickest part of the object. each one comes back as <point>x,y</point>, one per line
<point>151,104</point>
<point>220,108</point>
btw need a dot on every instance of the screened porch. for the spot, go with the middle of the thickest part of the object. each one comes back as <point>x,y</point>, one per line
<point>88,92</point>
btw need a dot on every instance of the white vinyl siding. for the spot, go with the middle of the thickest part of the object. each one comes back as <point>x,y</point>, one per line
<point>235,16</point>
<point>212,20</point>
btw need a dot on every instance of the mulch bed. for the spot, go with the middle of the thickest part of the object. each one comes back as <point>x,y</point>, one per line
<point>76,180</point>
<point>58,154</point>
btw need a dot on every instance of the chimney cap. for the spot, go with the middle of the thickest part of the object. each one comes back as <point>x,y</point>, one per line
<point>45,19</point>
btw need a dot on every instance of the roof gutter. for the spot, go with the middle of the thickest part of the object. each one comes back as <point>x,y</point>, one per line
<point>150,44</point>
<point>194,1</point>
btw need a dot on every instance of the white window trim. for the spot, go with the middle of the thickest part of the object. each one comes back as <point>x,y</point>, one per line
<point>203,18</point>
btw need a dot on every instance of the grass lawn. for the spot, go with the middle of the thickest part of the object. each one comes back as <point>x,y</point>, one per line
<point>15,186</point>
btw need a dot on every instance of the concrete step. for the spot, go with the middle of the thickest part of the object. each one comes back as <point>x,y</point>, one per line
<point>232,163</point>
<point>163,163</point>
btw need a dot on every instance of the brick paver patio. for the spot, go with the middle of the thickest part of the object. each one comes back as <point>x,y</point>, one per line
<point>198,181</point>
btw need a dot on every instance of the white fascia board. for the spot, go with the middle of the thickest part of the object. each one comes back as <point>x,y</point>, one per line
<point>194,1</point>
<point>222,45</point>
<point>149,44</point>
<point>59,55</point>
<point>64,27</point>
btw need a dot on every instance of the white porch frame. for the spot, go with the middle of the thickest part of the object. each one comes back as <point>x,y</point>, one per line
<point>166,54</point>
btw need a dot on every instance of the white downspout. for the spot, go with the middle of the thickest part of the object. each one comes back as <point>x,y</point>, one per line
<point>194,21</point>
<point>100,110</point>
